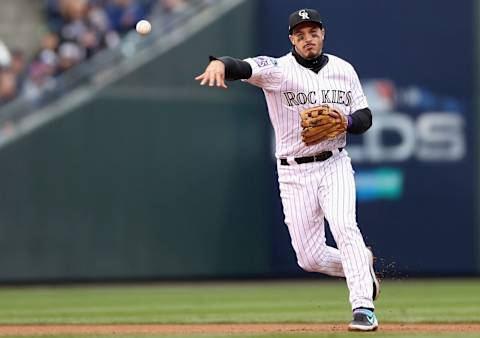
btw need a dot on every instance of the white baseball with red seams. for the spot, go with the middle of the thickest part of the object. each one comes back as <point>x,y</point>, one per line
<point>313,191</point>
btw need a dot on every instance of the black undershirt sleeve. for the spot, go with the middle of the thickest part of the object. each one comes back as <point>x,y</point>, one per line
<point>361,121</point>
<point>235,69</point>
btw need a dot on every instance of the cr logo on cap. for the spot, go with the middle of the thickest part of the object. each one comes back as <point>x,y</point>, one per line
<point>303,13</point>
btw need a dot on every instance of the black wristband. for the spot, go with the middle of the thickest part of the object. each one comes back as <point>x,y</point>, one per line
<point>235,69</point>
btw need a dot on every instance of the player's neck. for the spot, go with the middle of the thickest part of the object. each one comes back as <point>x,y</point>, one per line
<point>314,64</point>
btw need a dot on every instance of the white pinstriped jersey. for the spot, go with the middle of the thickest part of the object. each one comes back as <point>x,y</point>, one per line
<point>313,191</point>
<point>290,88</point>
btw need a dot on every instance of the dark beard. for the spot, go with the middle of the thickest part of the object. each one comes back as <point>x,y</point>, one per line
<point>314,64</point>
<point>313,56</point>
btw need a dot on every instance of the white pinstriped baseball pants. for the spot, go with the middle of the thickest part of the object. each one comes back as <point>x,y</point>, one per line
<point>311,192</point>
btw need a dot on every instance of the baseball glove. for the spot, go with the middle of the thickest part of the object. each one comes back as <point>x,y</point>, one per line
<point>322,123</point>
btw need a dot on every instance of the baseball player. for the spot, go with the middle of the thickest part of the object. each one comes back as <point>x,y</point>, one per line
<point>314,99</point>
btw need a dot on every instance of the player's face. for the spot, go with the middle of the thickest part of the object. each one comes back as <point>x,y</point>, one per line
<point>308,40</point>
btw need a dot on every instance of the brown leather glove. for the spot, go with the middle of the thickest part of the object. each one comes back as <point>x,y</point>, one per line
<point>322,123</point>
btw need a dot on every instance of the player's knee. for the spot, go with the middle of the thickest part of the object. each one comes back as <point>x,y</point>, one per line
<point>313,266</point>
<point>307,265</point>
<point>310,259</point>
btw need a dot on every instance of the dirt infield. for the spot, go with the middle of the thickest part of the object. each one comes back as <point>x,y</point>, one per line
<point>221,328</point>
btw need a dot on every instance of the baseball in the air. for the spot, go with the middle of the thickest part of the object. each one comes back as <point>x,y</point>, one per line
<point>143,27</point>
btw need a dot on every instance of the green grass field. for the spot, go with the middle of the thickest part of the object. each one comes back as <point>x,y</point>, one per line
<point>425,301</point>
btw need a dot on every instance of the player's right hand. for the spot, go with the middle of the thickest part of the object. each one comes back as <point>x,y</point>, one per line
<point>213,75</point>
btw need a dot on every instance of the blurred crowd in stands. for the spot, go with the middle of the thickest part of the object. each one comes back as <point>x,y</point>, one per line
<point>76,30</point>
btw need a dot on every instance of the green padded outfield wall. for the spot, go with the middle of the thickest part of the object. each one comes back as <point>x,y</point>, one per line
<point>157,177</point>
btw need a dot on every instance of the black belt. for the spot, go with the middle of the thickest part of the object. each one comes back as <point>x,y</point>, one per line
<point>316,158</point>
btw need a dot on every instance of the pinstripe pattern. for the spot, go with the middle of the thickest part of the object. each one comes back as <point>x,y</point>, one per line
<point>311,192</point>
<point>286,75</point>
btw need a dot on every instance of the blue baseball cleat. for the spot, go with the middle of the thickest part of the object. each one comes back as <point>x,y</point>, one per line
<point>363,320</point>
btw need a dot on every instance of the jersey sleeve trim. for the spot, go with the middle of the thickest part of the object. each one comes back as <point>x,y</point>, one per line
<point>266,72</point>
